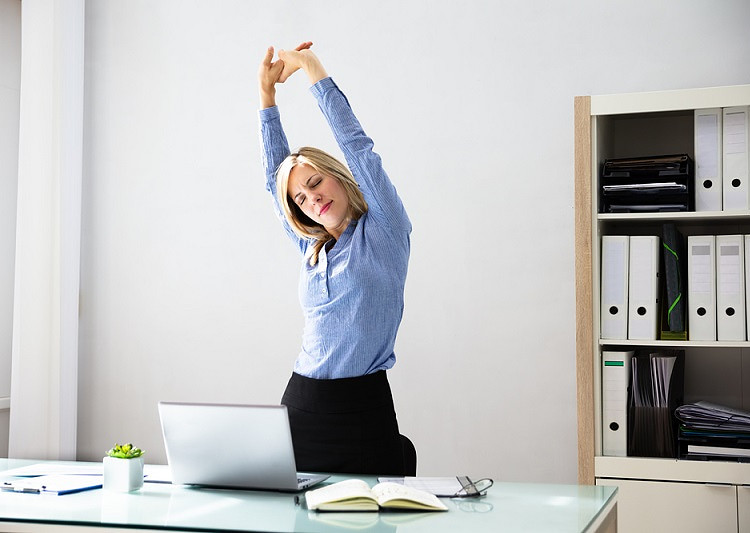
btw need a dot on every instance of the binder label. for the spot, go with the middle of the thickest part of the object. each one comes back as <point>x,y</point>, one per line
<point>701,273</point>
<point>734,133</point>
<point>707,159</point>
<point>729,275</point>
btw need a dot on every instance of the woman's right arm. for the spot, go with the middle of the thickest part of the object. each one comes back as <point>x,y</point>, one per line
<point>269,73</point>
<point>273,140</point>
<point>274,145</point>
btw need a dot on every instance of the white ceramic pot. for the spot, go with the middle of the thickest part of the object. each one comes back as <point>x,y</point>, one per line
<point>123,475</point>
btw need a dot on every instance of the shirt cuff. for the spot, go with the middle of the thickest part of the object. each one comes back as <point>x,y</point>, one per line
<point>322,86</point>
<point>269,113</point>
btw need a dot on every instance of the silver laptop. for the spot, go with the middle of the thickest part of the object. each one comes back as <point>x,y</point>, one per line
<point>238,446</point>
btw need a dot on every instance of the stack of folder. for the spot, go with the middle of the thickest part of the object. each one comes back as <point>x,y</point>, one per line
<point>643,286</point>
<point>630,287</point>
<point>647,184</point>
<point>717,287</point>
<point>722,159</point>
<point>713,432</point>
<point>656,389</point>
<point>654,288</point>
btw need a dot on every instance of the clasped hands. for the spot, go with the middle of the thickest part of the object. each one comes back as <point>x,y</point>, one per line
<point>290,61</point>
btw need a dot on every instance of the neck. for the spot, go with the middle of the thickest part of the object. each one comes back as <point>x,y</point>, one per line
<point>339,230</point>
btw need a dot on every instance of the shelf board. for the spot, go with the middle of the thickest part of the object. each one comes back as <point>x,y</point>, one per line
<point>657,469</point>
<point>675,344</point>
<point>691,215</point>
<point>676,100</point>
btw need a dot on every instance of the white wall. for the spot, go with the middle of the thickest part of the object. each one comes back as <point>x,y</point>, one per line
<point>189,286</point>
<point>10,82</point>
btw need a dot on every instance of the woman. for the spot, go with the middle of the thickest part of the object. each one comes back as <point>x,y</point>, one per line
<point>352,230</point>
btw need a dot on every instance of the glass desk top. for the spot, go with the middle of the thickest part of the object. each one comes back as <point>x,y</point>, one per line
<point>159,506</point>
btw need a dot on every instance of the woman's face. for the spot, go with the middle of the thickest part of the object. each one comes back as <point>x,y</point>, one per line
<point>322,198</point>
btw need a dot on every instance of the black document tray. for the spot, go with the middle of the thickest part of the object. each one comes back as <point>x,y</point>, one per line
<point>647,184</point>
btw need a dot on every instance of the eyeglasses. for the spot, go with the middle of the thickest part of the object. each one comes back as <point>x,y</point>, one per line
<point>473,489</point>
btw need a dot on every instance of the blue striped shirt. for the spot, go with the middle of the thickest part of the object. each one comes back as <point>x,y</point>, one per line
<point>353,299</point>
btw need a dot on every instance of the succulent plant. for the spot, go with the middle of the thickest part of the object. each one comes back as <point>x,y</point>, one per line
<point>125,451</point>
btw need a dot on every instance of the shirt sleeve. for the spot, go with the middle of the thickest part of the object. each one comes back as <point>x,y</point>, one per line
<point>275,149</point>
<point>382,199</point>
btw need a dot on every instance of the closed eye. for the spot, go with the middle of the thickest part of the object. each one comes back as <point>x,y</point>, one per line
<point>312,182</point>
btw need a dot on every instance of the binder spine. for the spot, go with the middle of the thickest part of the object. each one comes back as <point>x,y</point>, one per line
<point>673,323</point>
<point>735,158</point>
<point>730,288</point>
<point>643,298</point>
<point>614,290</point>
<point>615,382</point>
<point>708,159</point>
<point>702,288</point>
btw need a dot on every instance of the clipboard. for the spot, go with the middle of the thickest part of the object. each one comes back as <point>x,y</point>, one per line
<point>55,484</point>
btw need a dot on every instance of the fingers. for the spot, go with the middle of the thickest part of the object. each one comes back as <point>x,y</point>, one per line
<point>269,71</point>
<point>269,56</point>
<point>288,62</point>
<point>267,60</point>
<point>276,66</point>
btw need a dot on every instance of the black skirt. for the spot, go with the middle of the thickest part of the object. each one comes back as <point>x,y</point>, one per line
<point>344,425</point>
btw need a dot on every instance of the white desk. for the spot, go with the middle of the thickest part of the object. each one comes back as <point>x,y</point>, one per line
<point>162,507</point>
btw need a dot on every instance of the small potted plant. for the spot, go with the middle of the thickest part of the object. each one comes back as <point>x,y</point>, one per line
<point>123,468</point>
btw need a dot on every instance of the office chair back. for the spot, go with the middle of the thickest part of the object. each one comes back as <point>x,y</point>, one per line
<point>410,456</point>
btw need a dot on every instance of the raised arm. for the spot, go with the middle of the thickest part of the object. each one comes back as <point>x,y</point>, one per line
<point>366,166</point>
<point>269,73</point>
<point>274,145</point>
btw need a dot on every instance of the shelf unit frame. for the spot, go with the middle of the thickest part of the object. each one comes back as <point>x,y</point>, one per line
<point>588,125</point>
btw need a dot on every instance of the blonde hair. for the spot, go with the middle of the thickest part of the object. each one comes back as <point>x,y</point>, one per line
<point>329,166</point>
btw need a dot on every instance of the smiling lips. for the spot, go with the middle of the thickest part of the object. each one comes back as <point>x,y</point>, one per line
<point>325,208</point>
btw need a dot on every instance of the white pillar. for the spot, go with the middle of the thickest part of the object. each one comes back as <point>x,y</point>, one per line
<point>44,367</point>
<point>10,90</point>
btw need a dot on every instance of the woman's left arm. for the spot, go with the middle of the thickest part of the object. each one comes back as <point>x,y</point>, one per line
<point>365,164</point>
